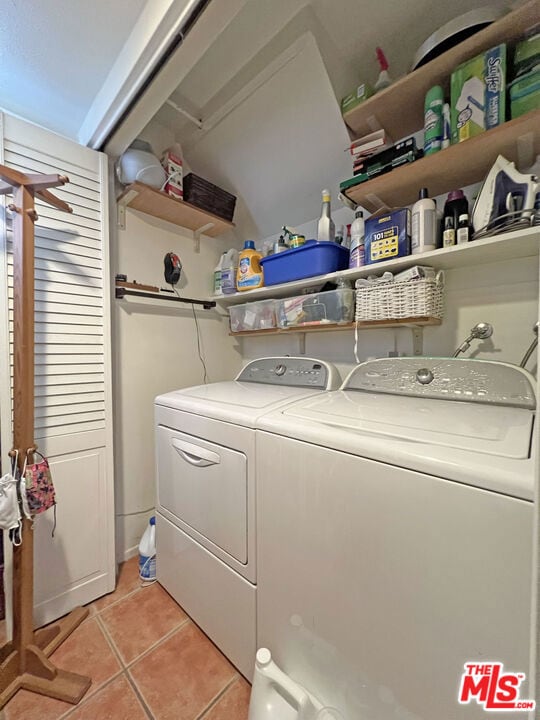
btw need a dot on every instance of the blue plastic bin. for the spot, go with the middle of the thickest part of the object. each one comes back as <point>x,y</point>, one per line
<point>313,258</point>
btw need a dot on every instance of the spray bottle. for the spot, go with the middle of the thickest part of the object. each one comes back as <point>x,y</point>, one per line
<point>384,79</point>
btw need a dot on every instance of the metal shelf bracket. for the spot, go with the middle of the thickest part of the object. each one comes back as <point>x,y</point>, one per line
<point>121,208</point>
<point>417,340</point>
<point>197,235</point>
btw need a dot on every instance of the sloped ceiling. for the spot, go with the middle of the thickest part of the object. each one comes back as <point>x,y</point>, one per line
<point>55,56</point>
<point>268,96</point>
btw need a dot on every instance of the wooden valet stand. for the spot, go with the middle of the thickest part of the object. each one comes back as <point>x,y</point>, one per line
<point>24,661</point>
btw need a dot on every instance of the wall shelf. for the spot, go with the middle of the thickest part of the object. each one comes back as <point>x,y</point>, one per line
<point>457,166</point>
<point>160,205</point>
<point>364,325</point>
<point>517,244</point>
<point>399,109</point>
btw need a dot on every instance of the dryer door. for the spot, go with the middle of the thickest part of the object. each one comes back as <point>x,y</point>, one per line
<point>204,485</point>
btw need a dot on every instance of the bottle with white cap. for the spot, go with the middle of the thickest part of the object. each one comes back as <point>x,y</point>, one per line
<point>147,552</point>
<point>326,230</point>
<point>424,224</point>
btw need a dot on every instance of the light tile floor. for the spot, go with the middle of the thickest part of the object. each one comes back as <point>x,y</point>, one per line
<point>146,658</point>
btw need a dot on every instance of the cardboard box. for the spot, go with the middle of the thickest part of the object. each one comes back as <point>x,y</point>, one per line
<point>388,236</point>
<point>362,92</point>
<point>477,89</point>
<point>172,164</point>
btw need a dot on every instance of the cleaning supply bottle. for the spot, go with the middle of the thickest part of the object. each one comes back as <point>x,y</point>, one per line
<point>326,231</point>
<point>147,552</point>
<point>384,79</point>
<point>229,267</point>
<point>456,204</point>
<point>218,288</point>
<point>463,234</point>
<point>424,224</point>
<point>250,272</point>
<point>433,120</point>
<point>358,233</point>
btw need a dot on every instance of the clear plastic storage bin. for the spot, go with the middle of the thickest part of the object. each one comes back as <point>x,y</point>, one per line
<point>258,315</point>
<point>332,307</point>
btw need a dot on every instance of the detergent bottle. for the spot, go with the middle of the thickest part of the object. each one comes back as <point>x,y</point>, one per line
<point>250,272</point>
<point>229,268</point>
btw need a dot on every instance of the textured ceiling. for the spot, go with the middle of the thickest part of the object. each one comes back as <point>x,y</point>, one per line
<point>55,55</point>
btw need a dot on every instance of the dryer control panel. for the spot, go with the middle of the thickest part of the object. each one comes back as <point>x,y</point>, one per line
<point>291,372</point>
<point>467,380</point>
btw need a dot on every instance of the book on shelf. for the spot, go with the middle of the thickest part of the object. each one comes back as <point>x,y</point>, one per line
<point>368,143</point>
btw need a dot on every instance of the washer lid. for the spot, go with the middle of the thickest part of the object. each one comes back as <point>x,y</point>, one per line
<point>481,428</point>
<point>263,385</point>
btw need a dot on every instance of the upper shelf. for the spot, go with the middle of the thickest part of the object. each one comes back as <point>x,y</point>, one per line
<point>459,165</point>
<point>158,204</point>
<point>399,109</point>
<point>511,245</point>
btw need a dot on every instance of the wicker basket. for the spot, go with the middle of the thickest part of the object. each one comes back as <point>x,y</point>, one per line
<point>398,300</point>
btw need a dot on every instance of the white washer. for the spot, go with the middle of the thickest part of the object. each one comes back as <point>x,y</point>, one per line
<point>394,531</point>
<point>205,520</point>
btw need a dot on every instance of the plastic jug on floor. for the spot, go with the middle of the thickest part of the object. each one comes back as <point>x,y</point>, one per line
<point>276,696</point>
<point>147,552</point>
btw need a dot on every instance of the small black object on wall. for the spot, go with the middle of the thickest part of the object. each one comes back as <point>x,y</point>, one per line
<point>173,268</point>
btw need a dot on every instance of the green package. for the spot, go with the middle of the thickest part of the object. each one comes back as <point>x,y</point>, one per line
<point>362,92</point>
<point>477,89</point>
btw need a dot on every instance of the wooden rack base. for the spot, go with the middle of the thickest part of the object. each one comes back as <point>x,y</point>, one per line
<point>30,668</point>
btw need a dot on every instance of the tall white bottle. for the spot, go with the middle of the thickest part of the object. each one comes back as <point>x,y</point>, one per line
<point>424,224</point>
<point>147,552</point>
<point>326,230</point>
<point>218,290</point>
<point>358,232</point>
<point>229,266</point>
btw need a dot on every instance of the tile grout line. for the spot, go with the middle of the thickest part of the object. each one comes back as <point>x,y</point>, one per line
<point>115,602</point>
<point>91,694</point>
<point>158,642</point>
<point>110,641</point>
<point>217,697</point>
<point>139,695</point>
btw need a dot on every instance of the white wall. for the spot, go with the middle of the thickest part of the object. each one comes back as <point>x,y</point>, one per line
<point>155,350</point>
<point>504,294</point>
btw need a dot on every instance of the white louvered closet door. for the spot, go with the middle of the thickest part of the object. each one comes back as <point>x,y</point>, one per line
<point>73,415</point>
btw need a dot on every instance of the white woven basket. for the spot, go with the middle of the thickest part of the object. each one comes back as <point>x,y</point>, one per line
<point>397,300</point>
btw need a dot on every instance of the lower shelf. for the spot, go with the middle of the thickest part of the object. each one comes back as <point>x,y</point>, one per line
<point>362,325</point>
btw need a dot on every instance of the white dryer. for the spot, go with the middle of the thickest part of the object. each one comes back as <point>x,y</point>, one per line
<point>394,531</point>
<point>205,520</point>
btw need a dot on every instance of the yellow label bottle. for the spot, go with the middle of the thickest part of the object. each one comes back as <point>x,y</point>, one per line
<point>250,272</point>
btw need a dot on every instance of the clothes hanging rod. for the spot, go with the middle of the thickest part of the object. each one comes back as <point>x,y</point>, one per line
<point>122,292</point>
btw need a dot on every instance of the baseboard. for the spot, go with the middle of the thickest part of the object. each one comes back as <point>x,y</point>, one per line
<point>129,553</point>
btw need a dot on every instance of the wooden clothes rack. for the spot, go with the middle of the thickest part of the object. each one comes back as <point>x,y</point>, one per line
<point>24,662</point>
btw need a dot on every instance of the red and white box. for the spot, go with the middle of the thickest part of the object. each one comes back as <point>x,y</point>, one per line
<point>172,163</point>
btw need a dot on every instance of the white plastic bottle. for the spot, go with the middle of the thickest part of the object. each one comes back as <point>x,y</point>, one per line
<point>424,224</point>
<point>218,289</point>
<point>358,233</point>
<point>229,266</point>
<point>326,231</point>
<point>147,552</point>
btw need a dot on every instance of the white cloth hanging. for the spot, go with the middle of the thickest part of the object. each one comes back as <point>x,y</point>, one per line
<point>10,514</point>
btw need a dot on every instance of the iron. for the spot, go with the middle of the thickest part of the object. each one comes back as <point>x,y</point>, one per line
<point>506,199</point>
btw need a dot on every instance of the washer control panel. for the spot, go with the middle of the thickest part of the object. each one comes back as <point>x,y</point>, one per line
<point>290,372</point>
<point>482,381</point>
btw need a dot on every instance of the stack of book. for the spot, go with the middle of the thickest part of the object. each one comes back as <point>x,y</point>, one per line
<point>366,146</point>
